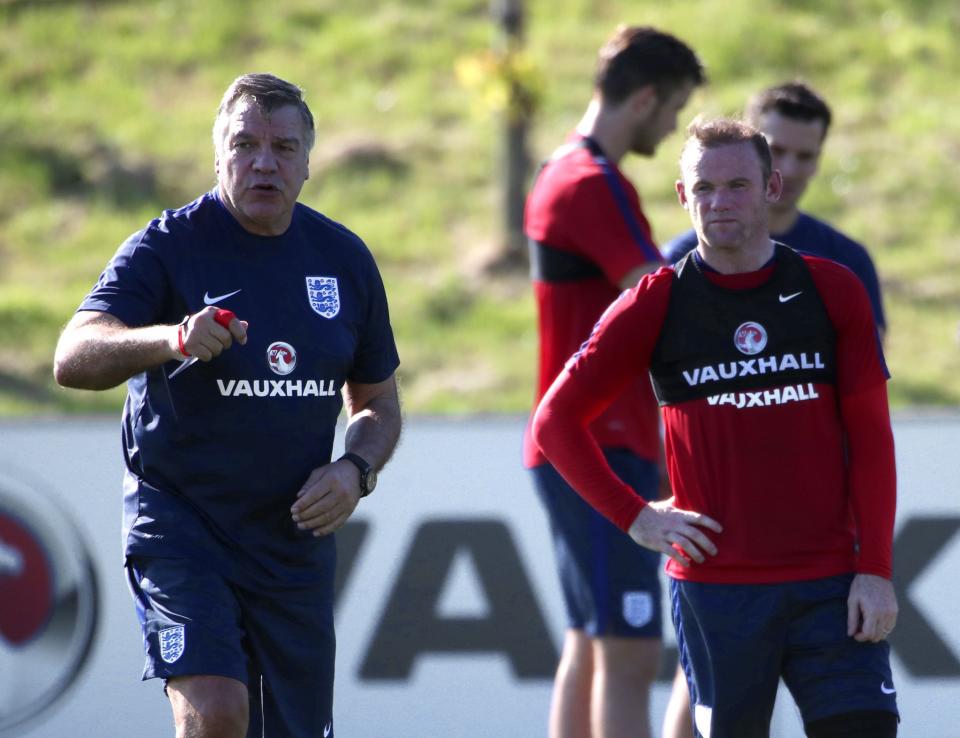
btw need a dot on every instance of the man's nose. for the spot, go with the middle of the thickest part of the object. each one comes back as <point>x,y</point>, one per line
<point>720,201</point>
<point>265,160</point>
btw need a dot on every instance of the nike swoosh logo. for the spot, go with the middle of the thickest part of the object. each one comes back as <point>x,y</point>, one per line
<point>788,298</point>
<point>326,730</point>
<point>207,300</point>
<point>885,689</point>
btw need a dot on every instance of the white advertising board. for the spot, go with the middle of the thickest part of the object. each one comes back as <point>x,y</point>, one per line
<point>449,616</point>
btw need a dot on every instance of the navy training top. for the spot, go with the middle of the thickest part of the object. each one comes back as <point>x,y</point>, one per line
<point>218,453</point>
<point>812,236</point>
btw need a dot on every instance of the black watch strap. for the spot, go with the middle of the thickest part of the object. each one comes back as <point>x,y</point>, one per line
<point>368,475</point>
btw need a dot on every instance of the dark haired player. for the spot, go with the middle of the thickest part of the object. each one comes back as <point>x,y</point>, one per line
<point>795,121</point>
<point>779,449</point>
<point>589,240</point>
<point>230,494</point>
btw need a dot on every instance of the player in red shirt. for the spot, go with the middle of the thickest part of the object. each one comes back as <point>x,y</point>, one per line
<point>780,453</point>
<point>795,121</point>
<point>589,240</point>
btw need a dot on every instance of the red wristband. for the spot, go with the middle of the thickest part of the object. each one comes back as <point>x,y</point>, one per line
<point>181,334</point>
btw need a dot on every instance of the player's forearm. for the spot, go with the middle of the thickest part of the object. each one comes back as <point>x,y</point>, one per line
<point>872,477</point>
<point>97,351</point>
<point>560,428</point>
<point>373,429</point>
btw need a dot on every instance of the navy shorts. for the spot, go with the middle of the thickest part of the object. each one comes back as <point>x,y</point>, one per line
<point>279,643</point>
<point>611,584</point>
<point>737,640</point>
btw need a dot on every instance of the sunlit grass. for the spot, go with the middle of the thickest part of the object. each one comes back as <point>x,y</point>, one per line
<point>108,107</point>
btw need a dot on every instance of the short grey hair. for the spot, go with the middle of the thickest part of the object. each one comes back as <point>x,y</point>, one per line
<point>268,93</point>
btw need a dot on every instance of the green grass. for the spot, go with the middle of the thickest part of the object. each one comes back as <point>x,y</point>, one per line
<point>107,108</point>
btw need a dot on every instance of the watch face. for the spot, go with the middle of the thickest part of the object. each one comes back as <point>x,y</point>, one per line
<point>370,480</point>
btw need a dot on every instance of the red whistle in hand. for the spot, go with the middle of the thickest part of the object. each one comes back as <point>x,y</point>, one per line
<point>221,317</point>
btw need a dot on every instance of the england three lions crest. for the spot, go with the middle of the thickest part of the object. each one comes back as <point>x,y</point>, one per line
<point>324,296</point>
<point>172,642</point>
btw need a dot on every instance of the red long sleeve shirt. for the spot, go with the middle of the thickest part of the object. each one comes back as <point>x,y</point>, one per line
<point>796,485</point>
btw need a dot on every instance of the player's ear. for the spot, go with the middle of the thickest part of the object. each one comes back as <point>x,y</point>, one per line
<point>643,101</point>
<point>774,186</point>
<point>681,192</point>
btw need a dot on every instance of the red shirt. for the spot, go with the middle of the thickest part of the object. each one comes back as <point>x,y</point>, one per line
<point>793,484</point>
<point>584,205</point>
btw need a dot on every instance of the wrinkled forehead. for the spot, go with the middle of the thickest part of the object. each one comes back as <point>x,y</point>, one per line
<point>719,162</point>
<point>247,118</point>
<point>248,114</point>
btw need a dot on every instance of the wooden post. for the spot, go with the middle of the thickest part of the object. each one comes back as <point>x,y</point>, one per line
<point>515,161</point>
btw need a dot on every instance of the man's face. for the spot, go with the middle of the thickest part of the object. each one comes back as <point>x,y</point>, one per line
<point>723,190</point>
<point>262,163</point>
<point>795,146</point>
<point>660,122</point>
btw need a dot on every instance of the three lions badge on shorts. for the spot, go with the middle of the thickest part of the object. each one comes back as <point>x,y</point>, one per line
<point>172,641</point>
<point>637,608</point>
<point>324,296</point>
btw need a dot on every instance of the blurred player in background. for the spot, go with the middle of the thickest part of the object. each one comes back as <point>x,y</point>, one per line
<point>230,494</point>
<point>589,239</point>
<point>795,120</point>
<point>779,449</point>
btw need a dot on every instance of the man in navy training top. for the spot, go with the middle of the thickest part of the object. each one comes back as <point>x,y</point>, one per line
<point>589,239</point>
<point>230,494</point>
<point>795,121</point>
<point>780,453</point>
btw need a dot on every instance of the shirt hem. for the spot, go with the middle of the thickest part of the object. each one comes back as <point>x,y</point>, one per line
<point>728,575</point>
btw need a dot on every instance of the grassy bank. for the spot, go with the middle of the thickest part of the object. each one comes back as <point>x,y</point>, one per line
<point>107,108</point>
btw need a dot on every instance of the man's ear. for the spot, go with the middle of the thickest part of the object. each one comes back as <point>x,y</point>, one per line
<point>643,101</point>
<point>774,187</point>
<point>681,192</point>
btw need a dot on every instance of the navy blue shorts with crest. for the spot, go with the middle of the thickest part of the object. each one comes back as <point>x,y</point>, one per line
<point>611,585</point>
<point>280,644</point>
<point>736,641</point>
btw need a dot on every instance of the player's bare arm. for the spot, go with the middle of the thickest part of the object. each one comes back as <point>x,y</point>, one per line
<point>374,421</point>
<point>97,351</point>
<point>664,528</point>
<point>871,608</point>
<point>331,493</point>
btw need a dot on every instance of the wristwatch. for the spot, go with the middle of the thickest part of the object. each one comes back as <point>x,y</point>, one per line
<point>368,475</point>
